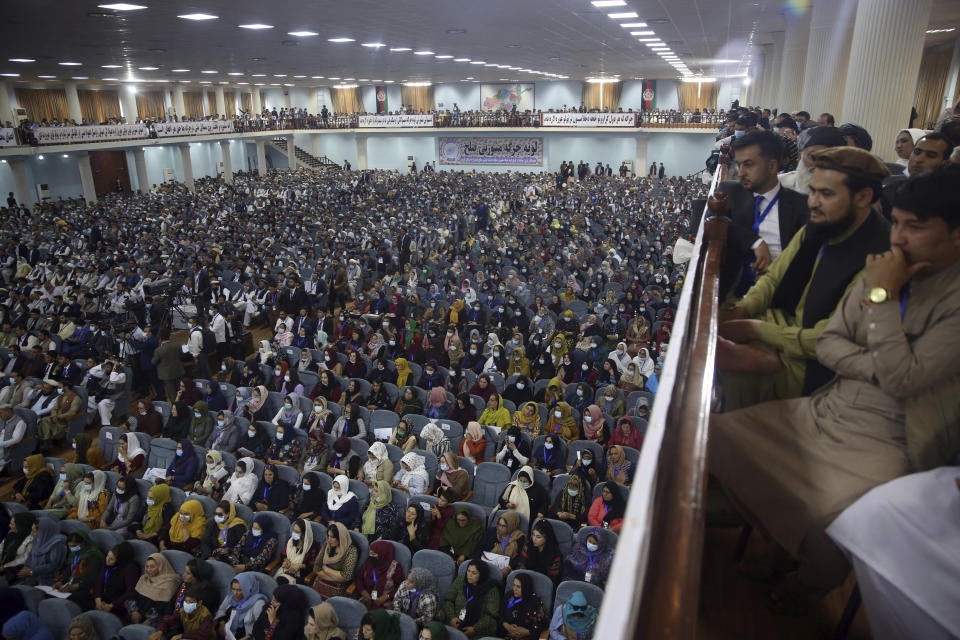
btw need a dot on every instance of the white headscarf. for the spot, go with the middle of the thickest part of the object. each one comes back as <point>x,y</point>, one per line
<point>644,362</point>
<point>915,134</point>
<point>336,499</point>
<point>432,434</point>
<point>133,447</point>
<point>379,451</point>
<point>241,489</point>
<point>417,468</point>
<point>85,497</point>
<point>620,361</point>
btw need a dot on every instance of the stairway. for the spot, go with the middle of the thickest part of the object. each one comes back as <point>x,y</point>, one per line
<point>302,158</point>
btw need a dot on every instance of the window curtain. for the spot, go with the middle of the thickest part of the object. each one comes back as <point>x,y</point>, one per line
<point>99,106</point>
<point>418,98</point>
<point>43,104</point>
<point>697,95</point>
<point>229,104</point>
<point>601,96</point>
<point>346,100</point>
<point>193,104</point>
<point>246,102</point>
<point>212,101</point>
<point>932,86</point>
<point>150,105</point>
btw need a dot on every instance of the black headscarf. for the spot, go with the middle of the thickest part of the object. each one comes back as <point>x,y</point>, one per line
<point>476,595</point>
<point>114,583</point>
<point>179,425</point>
<point>311,501</point>
<point>616,506</point>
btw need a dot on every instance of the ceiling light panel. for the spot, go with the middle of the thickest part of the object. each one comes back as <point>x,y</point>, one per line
<point>302,34</point>
<point>198,16</point>
<point>122,6</point>
<point>256,26</point>
<point>623,15</point>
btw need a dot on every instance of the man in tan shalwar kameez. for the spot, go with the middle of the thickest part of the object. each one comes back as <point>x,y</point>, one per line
<point>790,467</point>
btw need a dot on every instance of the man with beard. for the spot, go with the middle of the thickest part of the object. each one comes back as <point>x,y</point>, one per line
<point>767,349</point>
<point>810,141</point>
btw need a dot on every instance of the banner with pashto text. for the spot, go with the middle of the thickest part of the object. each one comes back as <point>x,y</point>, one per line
<point>483,150</point>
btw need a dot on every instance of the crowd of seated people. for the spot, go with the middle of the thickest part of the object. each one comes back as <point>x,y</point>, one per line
<point>448,402</point>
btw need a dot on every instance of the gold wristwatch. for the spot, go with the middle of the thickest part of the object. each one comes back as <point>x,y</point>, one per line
<point>878,295</point>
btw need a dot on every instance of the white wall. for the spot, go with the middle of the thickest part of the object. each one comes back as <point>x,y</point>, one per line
<point>553,95</point>
<point>301,98</point>
<point>730,89</point>
<point>62,175</point>
<point>465,94</point>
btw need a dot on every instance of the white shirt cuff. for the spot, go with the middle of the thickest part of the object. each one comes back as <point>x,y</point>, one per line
<point>756,244</point>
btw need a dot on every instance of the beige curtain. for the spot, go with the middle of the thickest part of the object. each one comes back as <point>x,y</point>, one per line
<point>229,104</point>
<point>418,98</point>
<point>150,105</point>
<point>346,100</point>
<point>601,96</point>
<point>932,86</point>
<point>43,104</point>
<point>99,106</point>
<point>697,95</point>
<point>246,102</point>
<point>193,104</point>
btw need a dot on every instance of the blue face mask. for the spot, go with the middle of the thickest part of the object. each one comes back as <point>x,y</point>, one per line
<point>179,452</point>
<point>738,134</point>
<point>592,547</point>
<point>189,607</point>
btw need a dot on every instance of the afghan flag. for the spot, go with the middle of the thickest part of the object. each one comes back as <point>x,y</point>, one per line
<point>381,99</point>
<point>649,95</point>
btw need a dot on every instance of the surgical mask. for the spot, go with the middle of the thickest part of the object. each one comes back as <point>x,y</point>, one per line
<point>185,516</point>
<point>287,406</point>
<point>279,435</point>
<point>608,398</point>
<point>317,408</point>
<point>585,367</point>
<point>120,492</point>
<point>151,502</point>
<point>220,519</point>
<point>251,433</point>
<point>189,607</point>
<point>548,445</point>
<point>580,392</point>
<point>60,392</point>
<point>63,477</point>
<point>587,462</point>
<point>327,358</point>
<point>523,485</point>
<point>276,372</point>
<point>592,548</point>
<point>223,367</point>
<point>13,381</point>
<point>573,492</point>
<point>444,467</point>
<point>473,352</point>
<point>256,532</point>
<point>520,386</point>
<point>738,134</point>
<point>393,343</point>
<point>557,414</point>
<point>197,414</point>
<point>307,487</point>
<point>587,419</point>
<point>512,438</point>
<point>179,452</point>
<point>74,549</point>
<point>88,487</point>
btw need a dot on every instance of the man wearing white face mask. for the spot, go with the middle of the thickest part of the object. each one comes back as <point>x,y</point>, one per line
<point>810,141</point>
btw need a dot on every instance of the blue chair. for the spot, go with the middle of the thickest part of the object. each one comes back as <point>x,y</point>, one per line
<point>105,539</point>
<point>567,588</point>
<point>349,612</point>
<point>267,584</point>
<point>408,628</point>
<point>563,532</point>
<point>401,553</point>
<point>490,481</point>
<point>177,559</point>
<point>106,624</point>
<point>57,613</point>
<point>439,564</point>
<point>31,597</point>
<point>142,549</point>
<point>135,632</point>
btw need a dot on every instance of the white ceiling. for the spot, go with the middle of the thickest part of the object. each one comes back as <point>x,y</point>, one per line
<point>563,37</point>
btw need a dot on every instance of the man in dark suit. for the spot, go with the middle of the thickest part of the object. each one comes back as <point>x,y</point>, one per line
<point>294,298</point>
<point>166,359</point>
<point>763,216</point>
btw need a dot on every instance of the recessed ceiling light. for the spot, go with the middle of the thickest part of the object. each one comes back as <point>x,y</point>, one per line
<point>109,79</point>
<point>373,45</point>
<point>489,64</point>
<point>255,25</point>
<point>148,68</point>
<point>302,34</point>
<point>633,25</point>
<point>317,77</point>
<point>122,6</point>
<point>279,75</point>
<point>608,3</point>
<point>649,40</point>
<point>69,64</point>
<point>642,33</point>
<point>112,66</point>
<point>377,80</point>
<point>259,75</point>
<point>622,15</point>
<point>243,83</point>
<point>333,78</point>
<point>206,82</point>
<point>288,84</point>
<point>388,82</point>
<point>505,79</point>
<point>47,77</point>
<point>198,16</point>
<point>940,30</point>
<point>657,43</point>
<point>234,73</point>
<point>21,60</point>
<point>340,40</point>
<point>399,48</point>
<point>417,84</point>
<point>79,78</point>
<point>299,76</point>
<point>10,75</point>
<point>209,71</point>
<point>443,57</point>
<point>349,79</point>
<point>364,80</point>
<point>173,70</point>
<point>461,59</point>
<point>423,53</point>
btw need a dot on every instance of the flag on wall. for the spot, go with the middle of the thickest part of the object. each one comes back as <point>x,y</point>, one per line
<point>649,95</point>
<point>381,99</point>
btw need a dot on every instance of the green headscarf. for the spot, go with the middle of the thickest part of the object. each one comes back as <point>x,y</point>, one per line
<point>385,625</point>
<point>437,630</point>
<point>24,521</point>
<point>463,540</point>
<point>384,496</point>
<point>153,518</point>
<point>408,332</point>
<point>87,551</point>
<point>200,427</point>
<point>74,477</point>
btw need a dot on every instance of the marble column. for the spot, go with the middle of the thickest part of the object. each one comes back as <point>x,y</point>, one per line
<point>291,152</point>
<point>73,101</point>
<point>221,103</point>
<point>640,167</point>
<point>261,157</point>
<point>128,103</point>
<point>178,104</point>
<point>776,68</point>
<point>362,153</point>
<point>828,55</point>
<point>227,162</point>
<point>6,107</point>
<point>255,101</point>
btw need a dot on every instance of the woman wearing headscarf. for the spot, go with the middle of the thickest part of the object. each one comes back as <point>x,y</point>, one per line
<point>286,448</point>
<point>379,577</point>
<point>186,529</point>
<point>272,494</point>
<point>473,445</point>
<point>82,628</point>
<point>226,433</point>
<point>519,391</point>
<point>319,419</point>
<point>328,387</point>
<point>463,410</point>
<point>316,454</point>
<point>626,434</point>
<point>553,393</point>
<point>519,364</point>
<point>416,531</point>
<point>190,621</point>
<point>562,423</point>
<point>283,617</point>
<point>541,552</point>
<point>437,406</point>
<point>223,532</point>
<point>505,538</point>
<point>117,580</point>
<point>403,436</point>
<point>495,414</point>
<point>254,442</point>
<point>904,143</point>
<point>92,499</point>
<point>455,354</point>
<point>483,387</point>
<point>620,358</point>
<point>284,380</point>
<point>36,485</point>
<point>472,603</point>
<point>550,456</point>
<point>412,477</point>
<point>382,518</point>
<point>308,500</point>
<point>197,575</point>
<point>256,408</point>
<point>608,509</point>
<point>213,396</point>
<point>123,509</point>
<point>336,562</point>
<point>342,505</point>
<point>299,555</point>
<point>322,624</point>
<point>188,392</point>
<point>527,419</point>
<point>379,625</point>
<point>619,469</point>
<point>153,592</point>
<point>350,424</point>
<point>289,415</point>
<point>451,476</point>
<point>182,472</point>
<point>515,451</point>
<point>131,458</point>
<point>633,380</point>
<point>404,373</point>
<point>574,619</point>
<point>178,426</point>
<point>80,569</point>
<point>378,465</point>
<point>63,498</point>
<point>16,545</point>
<point>572,503</point>
<point>255,547</point>
<point>611,403</point>
<point>524,496</point>
<point>243,482</point>
<point>87,453</point>
<point>26,626</point>
<point>434,440</point>
<point>590,560</point>
<point>354,393</point>
<point>522,615</point>
<point>214,474</point>
<point>408,403</point>
<point>344,460</point>
<point>241,608</point>
<point>201,424</point>
<point>417,597</point>
<point>579,396</point>
<point>473,359</point>
<point>594,426</point>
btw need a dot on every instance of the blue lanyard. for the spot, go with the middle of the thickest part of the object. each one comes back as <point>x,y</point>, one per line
<point>76,561</point>
<point>904,294</point>
<point>590,556</point>
<point>503,545</point>
<point>758,217</point>
<point>513,602</point>
<point>616,469</point>
<point>547,456</point>
<point>266,491</point>
<point>469,597</point>
<point>223,535</point>
<point>413,602</point>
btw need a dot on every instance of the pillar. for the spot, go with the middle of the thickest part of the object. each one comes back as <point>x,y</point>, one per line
<point>255,101</point>
<point>227,163</point>
<point>6,107</point>
<point>766,60</point>
<point>887,44</point>
<point>828,54</point>
<point>73,101</point>
<point>187,166</point>
<point>286,99</point>
<point>640,163</point>
<point>949,94</point>
<point>291,152</point>
<point>316,144</point>
<point>208,107</point>
<point>790,87</point>
<point>362,153</point>
<point>221,104</point>
<point>776,70</point>
<point>86,178</point>
<point>128,103</point>
<point>317,101</point>
<point>261,158</point>
<point>178,104</point>
<point>143,184</point>
<point>21,184</point>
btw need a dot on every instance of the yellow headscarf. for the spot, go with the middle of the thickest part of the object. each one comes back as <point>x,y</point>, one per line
<point>34,466</point>
<point>403,371</point>
<point>153,519</point>
<point>231,520</point>
<point>193,529</point>
<point>455,309</point>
